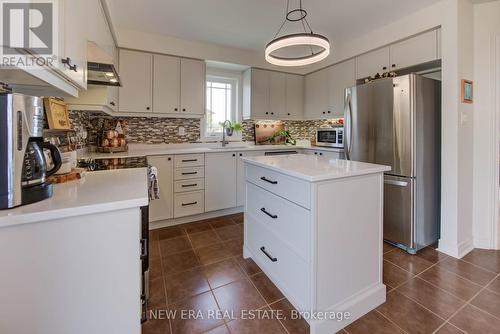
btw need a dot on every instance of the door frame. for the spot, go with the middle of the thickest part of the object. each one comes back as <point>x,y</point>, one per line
<point>496,103</point>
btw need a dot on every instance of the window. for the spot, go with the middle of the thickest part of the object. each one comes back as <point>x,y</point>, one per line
<point>221,104</point>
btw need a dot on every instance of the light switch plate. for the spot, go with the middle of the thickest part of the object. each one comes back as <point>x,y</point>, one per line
<point>182,131</point>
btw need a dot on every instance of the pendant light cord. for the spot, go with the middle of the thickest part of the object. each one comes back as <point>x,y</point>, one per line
<point>302,20</point>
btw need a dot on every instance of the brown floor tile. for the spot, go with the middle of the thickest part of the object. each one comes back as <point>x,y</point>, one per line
<point>408,315</point>
<point>179,262</point>
<point>394,276</point>
<point>230,232</point>
<point>388,247</point>
<point>431,255</point>
<point>155,268</point>
<point>488,301</point>
<point>411,263</point>
<point>449,329</point>
<point>205,238</point>
<point>186,284</point>
<point>450,282</point>
<point>212,253</point>
<point>249,266</point>
<point>153,235</point>
<point>156,326</point>
<point>488,259</point>
<point>251,326</point>
<point>238,218</point>
<point>495,286</point>
<point>221,222</point>
<point>154,250</point>
<point>197,227</point>
<point>238,296</point>
<point>266,288</point>
<point>468,271</point>
<point>473,320</point>
<point>203,303</point>
<point>157,297</point>
<point>223,272</point>
<point>235,247</point>
<point>373,323</point>
<point>156,304</point>
<point>292,324</point>
<point>219,330</point>
<point>171,232</point>
<point>174,245</point>
<point>434,299</point>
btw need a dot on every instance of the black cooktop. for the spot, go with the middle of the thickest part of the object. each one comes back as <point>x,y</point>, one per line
<point>113,163</point>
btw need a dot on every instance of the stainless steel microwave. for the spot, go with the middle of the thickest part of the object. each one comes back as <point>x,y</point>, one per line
<point>330,137</point>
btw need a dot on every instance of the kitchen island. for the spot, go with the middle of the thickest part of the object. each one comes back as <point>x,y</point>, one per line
<point>314,226</point>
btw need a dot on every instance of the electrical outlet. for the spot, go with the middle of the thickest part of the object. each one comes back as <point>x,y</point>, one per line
<point>182,131</point>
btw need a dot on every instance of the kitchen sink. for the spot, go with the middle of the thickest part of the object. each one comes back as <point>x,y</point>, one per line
<point>227,147</point>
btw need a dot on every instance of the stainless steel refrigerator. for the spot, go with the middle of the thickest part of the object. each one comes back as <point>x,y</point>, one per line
<point>397,122</point>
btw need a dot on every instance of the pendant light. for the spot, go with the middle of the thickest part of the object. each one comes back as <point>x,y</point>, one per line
<point>307,38</point>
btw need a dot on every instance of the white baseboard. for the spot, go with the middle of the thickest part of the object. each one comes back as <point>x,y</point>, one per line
<point>189,219</point>
<point>484,243</point>
<point>456,250</point>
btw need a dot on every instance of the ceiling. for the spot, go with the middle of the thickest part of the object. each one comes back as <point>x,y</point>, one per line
<point>251,24</point>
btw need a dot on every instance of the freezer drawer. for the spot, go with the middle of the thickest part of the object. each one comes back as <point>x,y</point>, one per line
<point>398,210</point>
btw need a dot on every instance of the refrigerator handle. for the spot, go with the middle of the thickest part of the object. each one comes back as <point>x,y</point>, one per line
<point>396,183</point>
<point>348,111</point>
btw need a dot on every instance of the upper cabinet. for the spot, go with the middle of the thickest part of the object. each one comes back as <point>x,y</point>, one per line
<point>158,84</point>
<point>373,62</point>
<point>272,95</point>
<point>340,77</point>
<point>316,95</point>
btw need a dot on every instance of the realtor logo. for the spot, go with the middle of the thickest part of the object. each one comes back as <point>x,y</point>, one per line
<point>29,25</point>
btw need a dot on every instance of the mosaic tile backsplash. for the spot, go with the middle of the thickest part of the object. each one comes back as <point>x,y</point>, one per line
<point>154,130</point>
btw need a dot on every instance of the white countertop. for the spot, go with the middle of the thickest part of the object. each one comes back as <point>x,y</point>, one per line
<point>140,150</point>
<point>314,168</point>
<point>96,192</point>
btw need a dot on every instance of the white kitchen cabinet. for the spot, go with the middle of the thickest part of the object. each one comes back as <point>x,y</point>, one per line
<point>413,51</point>
<point>135,95</point>
<point>316,95</point>
<point>240,175</point>
<point>162,208</point>
<point>166,88</point>
<point>373,62</point>
<point>277,95</point>
<point>340,77</point>
<point>326,154</point>
<point>256,94</point>
<point>220,180</point>
<point>95,98</point>
<point>294,96</point>
<point>192,92</point>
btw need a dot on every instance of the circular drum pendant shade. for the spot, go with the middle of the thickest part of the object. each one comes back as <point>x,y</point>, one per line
<point>307,39</point>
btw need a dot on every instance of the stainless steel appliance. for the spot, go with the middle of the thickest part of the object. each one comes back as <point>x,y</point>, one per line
<point>23,167</point>
<point>330,137</point>
<point>397,122</point>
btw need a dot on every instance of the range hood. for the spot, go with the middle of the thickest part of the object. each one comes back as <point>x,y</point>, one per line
<point>100,67</point>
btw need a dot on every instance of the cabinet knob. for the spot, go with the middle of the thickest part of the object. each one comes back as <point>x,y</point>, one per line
<point>316,153</point>
<point>329,111</point>
<point>112,103</point>
<point>288,114</point>
<point>267,113</point>
<point>324,112</point>
<point>272,113</point>
<point>384,68</point>
<point>321,154</point>
<point>147,108</point>
<point>175,109</point>
<point>169,159</point>
<point>183,109</point>
<point>393,65</point>
<point>234,154</point>
<point>241,154</point>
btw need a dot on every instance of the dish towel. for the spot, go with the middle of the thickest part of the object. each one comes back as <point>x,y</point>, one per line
<point>153,186</point>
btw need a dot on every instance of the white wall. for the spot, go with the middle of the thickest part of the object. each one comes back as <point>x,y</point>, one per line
<point>486,111</point>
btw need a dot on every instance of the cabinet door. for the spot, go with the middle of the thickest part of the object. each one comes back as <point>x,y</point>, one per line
<point>240,175</point>
<point>316,95</point>
<point>135,73</point>
<point>341,76</point>
<point>162,208</point>
<point>112,97</point>
<point>259,92</point>
<point>413,51</point>
<point>373,62</point>
<point>193,82</point>
<point>166,84</point>
<point>220,181</point>
<point>294,96</point>
<point>277,94</point>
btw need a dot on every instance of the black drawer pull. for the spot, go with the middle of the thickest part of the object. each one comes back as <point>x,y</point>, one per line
<point>189,185</point>
<point>267,180</point>
<point>144,249</point>
<point>191,203</point>
<point>190,160</point>
<point>267,213</point>
<point>189,173</point>
<point>263,249</point>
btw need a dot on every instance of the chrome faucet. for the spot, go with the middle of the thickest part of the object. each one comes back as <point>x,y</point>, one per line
<point>226,130</point>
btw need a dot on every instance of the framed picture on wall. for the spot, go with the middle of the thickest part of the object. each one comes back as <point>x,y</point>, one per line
<point>467,91</point>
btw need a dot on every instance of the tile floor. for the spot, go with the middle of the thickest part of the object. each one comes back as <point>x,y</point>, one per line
<point>199,266</point>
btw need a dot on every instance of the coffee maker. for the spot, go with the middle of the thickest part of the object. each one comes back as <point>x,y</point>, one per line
<point>23,168</point>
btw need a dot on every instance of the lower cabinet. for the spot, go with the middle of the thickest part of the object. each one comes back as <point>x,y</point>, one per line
<point>162,208</point>
<point>188,203</point>
<point>326,154</point>
<point>220,180</point>
<point>240,176</point>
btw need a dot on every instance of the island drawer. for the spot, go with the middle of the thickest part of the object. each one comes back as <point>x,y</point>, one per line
<point>293,189</point>
<point>287,270</point>
<point>189,203</point>
<point>189,173</point>
<point>189,160</point>
<point>189,185</point>
<point>289,221</point>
